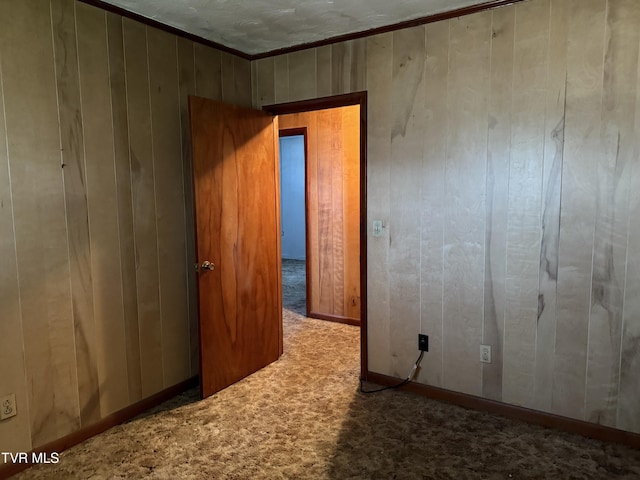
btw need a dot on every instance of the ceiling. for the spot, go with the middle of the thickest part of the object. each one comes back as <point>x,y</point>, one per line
<point>255,27</point>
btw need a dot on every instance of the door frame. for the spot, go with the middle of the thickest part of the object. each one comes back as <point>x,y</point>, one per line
<point>345,100</point>
<point>292,132</point>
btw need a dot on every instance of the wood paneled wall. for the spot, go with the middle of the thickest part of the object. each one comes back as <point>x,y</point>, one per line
<point>97,300</point>
<point>333,209</point>
<point>503,159</point>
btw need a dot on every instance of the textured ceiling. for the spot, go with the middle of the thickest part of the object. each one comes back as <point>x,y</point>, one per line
<point>259,26</point>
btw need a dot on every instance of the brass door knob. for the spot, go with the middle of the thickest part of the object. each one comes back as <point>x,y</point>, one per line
<point>207,265</point>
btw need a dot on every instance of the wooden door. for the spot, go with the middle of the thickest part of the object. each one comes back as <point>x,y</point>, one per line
<point>237,225</point>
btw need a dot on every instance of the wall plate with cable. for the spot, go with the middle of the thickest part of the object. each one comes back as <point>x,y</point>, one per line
<point>423,342</point>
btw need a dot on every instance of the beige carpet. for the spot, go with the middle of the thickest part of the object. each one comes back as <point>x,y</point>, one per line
<point>303,418</point>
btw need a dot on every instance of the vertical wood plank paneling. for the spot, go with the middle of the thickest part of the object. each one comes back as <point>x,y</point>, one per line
<point>187,86</point>
<point>71,143</point>
<point>379,78</point>
<point>265,71</point>
<point>302,75</point>
<point>407,143</point>
<point>169,194</point>
<point>323,71</point>
<point>208,65</point>
<point>525,199</point>
<point>254,85</point>
<point>110,344</point>
<point>551,190</point>
<point>337,210</point>
<point>125,208</point>
<point>333,188</point>
<point>229,92</point>
<point>348,66</point>
<point>144,208</point>
<point>15,433</point>
<point>612,210</point>
<point>432,204</point>
<point>498,154</point>
<point>310,120</point>
<point>29,88</point>
<point>628,415</point>
<point>324,188</point>
<point>351,209</point>
<point>281,76</point>
<point>167,155</point>
<point>313,234</point>
<point>465,185</point>
<point>577,220</point>
<point>242,81</point>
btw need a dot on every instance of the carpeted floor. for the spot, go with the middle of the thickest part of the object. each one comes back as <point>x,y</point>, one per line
<point>303,418</point>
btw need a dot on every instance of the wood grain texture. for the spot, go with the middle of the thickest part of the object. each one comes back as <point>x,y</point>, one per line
<point>310,121</point>
<point>240,312</point>
<point>125,207</point>
<point>333,209</point>
<point>348,66</point>
<point>302,75</point>
<point>628,417</point>
<point>432,201</point>
<point>336,210</point>
<point>407,143</point>
<point>281,76</point>
<point>351,210</point>
<point>265,72</point>
<point>15,433</point>
<point>464,237</point>
<point>324,186</point>
<point>187,86</point>
<point>242,81</point>
<point>229,91</point>
<point>612,210</point>
<point>102,201</point>
<point>323,71</point>
<point>629,387</point>
<point>379,82</point>
<point>169,200</point>
<point>497,191</point>
<point>582,148</point>
<point>76,205</point>
<point>551,197</point>
<point>144,206</point>
<point>208,65</point>
<point>525,200</point>
<point>29,88</point>
<point>560,75</point>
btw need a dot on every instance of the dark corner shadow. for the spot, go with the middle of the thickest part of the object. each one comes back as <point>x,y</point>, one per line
<point>185,398</point>
<point>401,435</point>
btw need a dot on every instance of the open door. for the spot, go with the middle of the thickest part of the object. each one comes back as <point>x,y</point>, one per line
<point>237,241</point>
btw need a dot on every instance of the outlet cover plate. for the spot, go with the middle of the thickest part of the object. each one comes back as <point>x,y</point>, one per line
<point>8,406</point>
<point>485,353</point>
<point>423,342</point>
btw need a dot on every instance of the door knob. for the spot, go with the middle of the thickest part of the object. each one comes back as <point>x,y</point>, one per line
<point>207,265</point>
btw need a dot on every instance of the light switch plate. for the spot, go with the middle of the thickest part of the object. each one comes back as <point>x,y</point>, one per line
<point>377,228</point>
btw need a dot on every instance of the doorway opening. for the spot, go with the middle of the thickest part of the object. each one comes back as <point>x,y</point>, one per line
<point>293,215</point>
<point>335,200</point>
<point>238,241</point>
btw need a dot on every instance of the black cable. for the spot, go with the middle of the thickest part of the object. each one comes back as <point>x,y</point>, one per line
<point>404,382</point>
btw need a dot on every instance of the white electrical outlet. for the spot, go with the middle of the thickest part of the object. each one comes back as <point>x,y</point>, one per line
<point>485,353</point>
<point>8,406</point>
